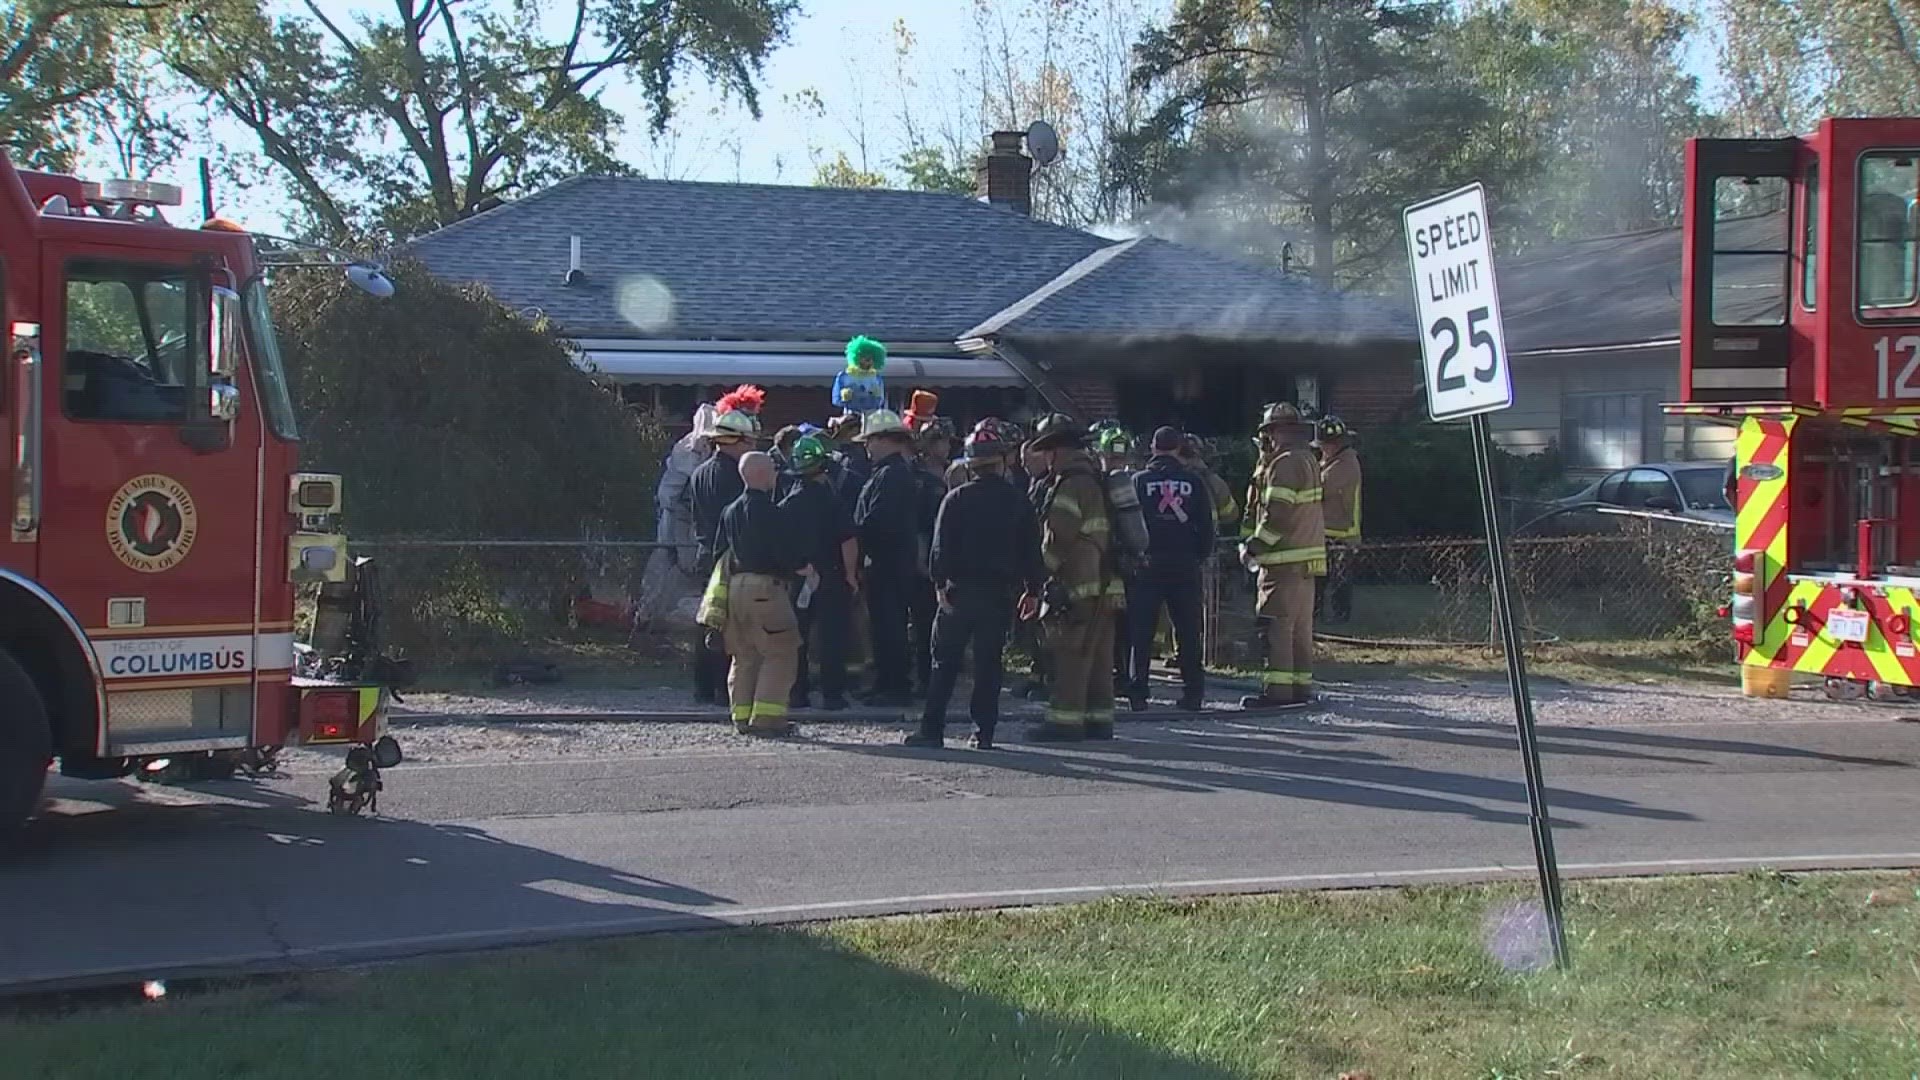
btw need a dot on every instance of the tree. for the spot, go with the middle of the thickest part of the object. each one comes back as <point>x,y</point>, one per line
<point>928,168</point>
<point>397,124</point>
<point>1789,62</point>
<point>1329,115</point>
<point>845,174</point>
<point>60,61</point>
<point>1062,61</point>
<point>1596,94</point>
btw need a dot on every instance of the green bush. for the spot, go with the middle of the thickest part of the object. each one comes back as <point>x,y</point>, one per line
<point>1420,481</point>
<point>452,416</point>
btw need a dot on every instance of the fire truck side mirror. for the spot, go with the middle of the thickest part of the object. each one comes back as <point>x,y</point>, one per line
<point>224,335</point>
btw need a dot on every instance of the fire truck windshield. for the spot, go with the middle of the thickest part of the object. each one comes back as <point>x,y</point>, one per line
<point>270,371</point>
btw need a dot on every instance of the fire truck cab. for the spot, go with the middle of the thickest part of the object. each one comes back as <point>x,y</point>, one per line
<point>1800,324</point>
<point>157,526</point>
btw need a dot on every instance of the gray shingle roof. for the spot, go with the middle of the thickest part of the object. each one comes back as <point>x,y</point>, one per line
<point>1621,290</point>
<point>1155,288</point>
<point>755,262</point>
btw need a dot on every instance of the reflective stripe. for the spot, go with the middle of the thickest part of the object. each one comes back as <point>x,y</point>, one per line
<point>1344,534</point>
<point>1100,716</point>
<point>1068,717</point>
<point>769,710</point>
<point>1116,587</point>
<point>1269,535</point>
<point>1093,526</point>
<point>742,712</point>
<point>1277,677</point>
<point>1288,556</point>
<point>1052,561</point>
<point>1084,590</point>
<point>1067,503</point>
<point>1293,496</point>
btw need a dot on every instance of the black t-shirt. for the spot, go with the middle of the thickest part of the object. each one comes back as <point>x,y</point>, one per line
<point>888,518</point>
<point>756,532</point>
<point>820,523</point>
<point>713,487</point>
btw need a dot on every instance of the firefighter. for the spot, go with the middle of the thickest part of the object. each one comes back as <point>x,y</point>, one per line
<point>1083,590</point>
<point>1180,540</point>
<point>1340,503</point>
<point>1287,550</point>
<point>932,444</point>
<point>887,523</point>
<point>823,528</point>
<point>986,566</point>
<point>1226,512</point>
<point>1114,449</point>
<point>762,632</point>
<point>1027,634</point>
<point>714,486</point>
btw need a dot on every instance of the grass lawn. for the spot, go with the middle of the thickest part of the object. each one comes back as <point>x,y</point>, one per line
<point>1585,662</point>
<point>1754,976</point>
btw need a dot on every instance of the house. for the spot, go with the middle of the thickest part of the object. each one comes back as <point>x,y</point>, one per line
<point>676,290</point>
<point>1593,329</point>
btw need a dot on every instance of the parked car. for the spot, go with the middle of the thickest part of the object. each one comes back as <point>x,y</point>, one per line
<point>1694,489</point>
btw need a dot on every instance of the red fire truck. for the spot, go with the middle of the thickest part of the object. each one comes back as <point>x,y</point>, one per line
<point>1800,325</point>
<point>158,526</point>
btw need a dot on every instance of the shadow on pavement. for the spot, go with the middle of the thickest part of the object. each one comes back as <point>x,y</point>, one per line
<point>155,881</point>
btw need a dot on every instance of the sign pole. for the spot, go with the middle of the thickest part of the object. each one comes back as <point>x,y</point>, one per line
<point>1463,348</point>
<point>1545,863</point>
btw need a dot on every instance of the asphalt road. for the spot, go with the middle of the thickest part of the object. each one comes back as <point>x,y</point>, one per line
<point>497,836</point>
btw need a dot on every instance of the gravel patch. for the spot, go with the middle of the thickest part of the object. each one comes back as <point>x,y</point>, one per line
<point>487,726</point>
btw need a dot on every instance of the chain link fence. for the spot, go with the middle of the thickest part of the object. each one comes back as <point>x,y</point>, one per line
<point>1593,576</point>
<point>1585,578</point>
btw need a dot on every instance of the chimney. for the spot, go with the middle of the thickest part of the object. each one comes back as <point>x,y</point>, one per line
<point>575,274</point>
<point>1005,174</point>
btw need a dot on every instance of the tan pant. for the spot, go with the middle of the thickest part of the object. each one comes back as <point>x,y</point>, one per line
<point>1286,599</point>
<point>1081,655</point>
<point>763,637</point>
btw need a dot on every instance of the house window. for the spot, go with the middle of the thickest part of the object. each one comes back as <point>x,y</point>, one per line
<point>1604,431</point>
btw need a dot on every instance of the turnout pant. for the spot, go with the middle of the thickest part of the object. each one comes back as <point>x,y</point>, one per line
<point>981,617</point>
<point>1080,651</point>
<point>829,616</point>
<point>887,627</point>
<point>764,637</point>
<point>1180,594</point>
<point>1286,601</point>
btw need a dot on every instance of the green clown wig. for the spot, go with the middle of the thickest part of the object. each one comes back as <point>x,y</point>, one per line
<point>864,348</point>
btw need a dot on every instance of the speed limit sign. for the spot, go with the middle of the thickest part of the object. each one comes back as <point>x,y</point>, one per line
<point>1461,340</point>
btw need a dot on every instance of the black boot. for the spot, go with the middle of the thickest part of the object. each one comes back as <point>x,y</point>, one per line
<point>922,739</point>
<point>1193,701</point>
<point>981,740</point>
<point>1052,733</point>
<point>1099,729</point>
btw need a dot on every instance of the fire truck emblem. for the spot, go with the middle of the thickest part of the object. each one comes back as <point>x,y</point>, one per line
<point>151,523</point>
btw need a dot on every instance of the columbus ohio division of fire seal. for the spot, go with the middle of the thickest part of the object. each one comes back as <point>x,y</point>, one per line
<point>151,523</point>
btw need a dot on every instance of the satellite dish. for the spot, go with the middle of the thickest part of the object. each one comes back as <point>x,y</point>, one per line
<point>1043,143</point>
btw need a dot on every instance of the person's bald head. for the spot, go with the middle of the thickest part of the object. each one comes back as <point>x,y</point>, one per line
<point>758,471</point>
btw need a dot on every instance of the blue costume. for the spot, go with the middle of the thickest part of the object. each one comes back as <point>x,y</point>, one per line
<point>858,388</point>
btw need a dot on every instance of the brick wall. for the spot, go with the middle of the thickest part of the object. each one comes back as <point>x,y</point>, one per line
<point>1095,398</point>
<point>1374,395</point>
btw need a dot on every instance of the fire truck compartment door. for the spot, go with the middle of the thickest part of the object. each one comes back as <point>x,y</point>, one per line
<point>131,511</point>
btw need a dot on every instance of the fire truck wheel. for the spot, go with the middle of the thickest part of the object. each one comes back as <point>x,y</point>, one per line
<point>26,745</point>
